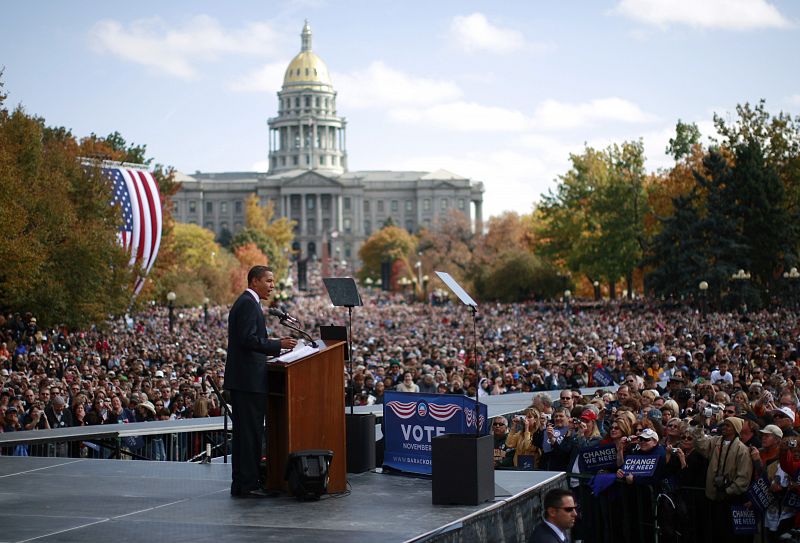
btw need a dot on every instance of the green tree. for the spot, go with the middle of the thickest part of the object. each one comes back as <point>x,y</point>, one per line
<point>517,275</point>
<point>687,136</point>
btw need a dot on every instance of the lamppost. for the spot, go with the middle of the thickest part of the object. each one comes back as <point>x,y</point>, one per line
<point>171,306</point>
<point>791,278</point>
<point>567,296</point>
<point>368,281</point>
<point>596,286</point>
<point>425,280</point>
<point>703,286</point>
<point>739,278</point>
<point>205,309</point>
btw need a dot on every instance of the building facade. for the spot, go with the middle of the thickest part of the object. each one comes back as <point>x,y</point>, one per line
<point>308,180</point>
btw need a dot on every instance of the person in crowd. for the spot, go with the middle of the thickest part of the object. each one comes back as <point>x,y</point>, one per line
<point>503,455</point>
<point>407,384</point>
<point>553,458</point>
<point>730,471</point>
<point>527,455</point>
<point>560,511</point>
<point>246,379</point>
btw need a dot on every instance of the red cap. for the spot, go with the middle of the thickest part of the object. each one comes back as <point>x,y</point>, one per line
<point>589,415</point>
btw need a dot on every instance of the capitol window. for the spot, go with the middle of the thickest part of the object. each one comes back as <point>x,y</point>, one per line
<point>380,206</point>
<point>426,204</point>
<point>461,203</point>
<point>347,203</point>
<point>237,206</point>
<point>395,206</point>
<point>366,206</point>
<point>209,207</point>
<point>444,204</point>
<point>348,225</point>
<point>223,207</point>
<point>192,206</point>
<point>409,205</point>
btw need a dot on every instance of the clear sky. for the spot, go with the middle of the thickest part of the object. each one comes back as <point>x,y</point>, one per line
<point>500,92</point>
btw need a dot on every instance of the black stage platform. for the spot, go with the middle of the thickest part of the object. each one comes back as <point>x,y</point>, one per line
<point>62,499</point>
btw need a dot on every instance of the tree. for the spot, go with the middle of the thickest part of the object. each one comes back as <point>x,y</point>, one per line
<point>517,275</point>
<point>449,246</point>
<point>272,236</point>
<point>687,136</point>
<point>58,243</point>
<point>392,243</point>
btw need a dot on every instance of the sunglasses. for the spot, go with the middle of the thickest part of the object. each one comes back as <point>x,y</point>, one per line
<point>568,509</point>
<point>498,424</point>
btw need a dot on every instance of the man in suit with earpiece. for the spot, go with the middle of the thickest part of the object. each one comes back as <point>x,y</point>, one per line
<point>246,379</point>
<point>560,513</point>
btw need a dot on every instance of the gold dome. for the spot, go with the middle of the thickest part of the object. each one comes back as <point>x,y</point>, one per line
<point>306,69</point>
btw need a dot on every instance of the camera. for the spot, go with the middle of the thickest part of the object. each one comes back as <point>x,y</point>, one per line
<point>792,443</point>
<point>721,482</point>
<point>673,450</point>
<point>630,439</point>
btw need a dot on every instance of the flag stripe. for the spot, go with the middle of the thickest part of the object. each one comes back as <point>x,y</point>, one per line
<point>136,193</point>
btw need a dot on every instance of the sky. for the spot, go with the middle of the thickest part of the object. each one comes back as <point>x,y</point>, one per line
<point>500,92</point>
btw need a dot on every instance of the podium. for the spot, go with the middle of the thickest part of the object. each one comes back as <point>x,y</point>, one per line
<point>305,410</point>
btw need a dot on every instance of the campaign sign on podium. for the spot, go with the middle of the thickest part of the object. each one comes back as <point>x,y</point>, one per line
<point>412,420</point>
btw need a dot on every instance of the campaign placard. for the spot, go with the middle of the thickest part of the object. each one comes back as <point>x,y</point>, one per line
<point>602,378</point>
<point>411,421</point>
<point>744,520</point>
<point>760,494</point>
<point>593,459</point>
<point>640,466</point>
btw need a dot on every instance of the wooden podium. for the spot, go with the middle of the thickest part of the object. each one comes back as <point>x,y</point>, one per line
<point>305,410</point>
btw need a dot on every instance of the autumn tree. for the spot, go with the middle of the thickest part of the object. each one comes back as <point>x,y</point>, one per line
<point>58,233</point>
<point>273,236</point>
<point>392,244</point>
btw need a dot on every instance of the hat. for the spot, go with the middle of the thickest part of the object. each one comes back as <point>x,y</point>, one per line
<point>648,433</point>
<point>149,406</point>
<point>159,373</point>
<point>11,409</point>
<point>786,411</point>
<point>588,414</point>
<point>5,372</point>
<point>756,384</point>
<point>772,429</point>
<point>737,423</point>
<point>33,319</point>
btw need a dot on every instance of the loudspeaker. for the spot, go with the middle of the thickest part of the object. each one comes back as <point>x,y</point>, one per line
<point>307,473</point>
<point>463,469</point>
<point>360,442</point>
<point>386,275</point>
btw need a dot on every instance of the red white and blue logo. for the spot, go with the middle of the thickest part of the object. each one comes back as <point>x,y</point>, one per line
<point>422,409</point>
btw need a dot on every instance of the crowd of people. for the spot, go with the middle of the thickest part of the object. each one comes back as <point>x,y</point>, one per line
<point>712,396</point>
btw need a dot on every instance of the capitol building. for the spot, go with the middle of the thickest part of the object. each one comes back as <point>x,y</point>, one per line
<point>308,180</point>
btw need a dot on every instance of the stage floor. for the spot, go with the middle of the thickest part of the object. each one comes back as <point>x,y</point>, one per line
<point>62,499</point>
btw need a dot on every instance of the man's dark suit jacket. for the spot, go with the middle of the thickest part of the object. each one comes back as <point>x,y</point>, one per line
<point>544,534</point>
<point>248,346</point>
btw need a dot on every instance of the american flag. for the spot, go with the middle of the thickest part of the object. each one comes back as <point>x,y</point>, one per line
<point>136,193</point>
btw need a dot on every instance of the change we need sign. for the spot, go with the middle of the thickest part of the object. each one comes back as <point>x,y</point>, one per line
<point>411,421</point>
<point>640,466</point>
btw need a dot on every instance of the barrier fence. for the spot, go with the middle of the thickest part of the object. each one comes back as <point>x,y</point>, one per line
<point>190,440</point>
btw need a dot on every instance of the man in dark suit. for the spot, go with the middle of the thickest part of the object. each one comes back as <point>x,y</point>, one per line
<point>560,513</point>
<point>246,379</point>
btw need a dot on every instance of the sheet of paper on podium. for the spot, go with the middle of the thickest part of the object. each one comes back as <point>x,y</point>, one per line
<point>297,353</point>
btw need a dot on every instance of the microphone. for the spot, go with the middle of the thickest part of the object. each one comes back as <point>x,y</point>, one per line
<point>275,312</point>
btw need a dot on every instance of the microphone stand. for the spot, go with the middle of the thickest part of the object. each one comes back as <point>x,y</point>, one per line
<point>287,324</point>
<point>225,412</point>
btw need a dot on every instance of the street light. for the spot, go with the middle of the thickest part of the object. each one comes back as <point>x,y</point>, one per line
<point>425,280</point>
<point>596,286</point>
<point>567,296</point>
<point>171,305</point>
<point>368,281</point>
<point>205,309</point>
<point>703,286</point>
